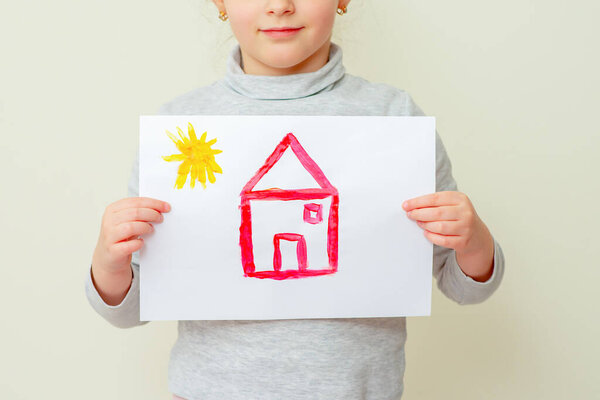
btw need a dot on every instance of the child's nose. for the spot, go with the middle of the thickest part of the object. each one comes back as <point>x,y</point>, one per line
<point>280,7</point>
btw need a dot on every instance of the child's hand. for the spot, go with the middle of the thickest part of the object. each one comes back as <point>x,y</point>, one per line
<point>123,221</point>
<point>449,220</point>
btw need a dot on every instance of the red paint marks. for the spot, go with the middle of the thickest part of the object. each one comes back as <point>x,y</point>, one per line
<point>289,141</point>
<point>326,190</point>
<point>313,213</point>
<point>297,194</point>
<point>289,274</point>
<point>300,250</point>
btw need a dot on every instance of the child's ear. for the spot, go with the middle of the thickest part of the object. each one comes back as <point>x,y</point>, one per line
<point>219,4</point>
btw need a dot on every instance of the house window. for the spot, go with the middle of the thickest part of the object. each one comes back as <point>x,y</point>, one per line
<point>313,213</point>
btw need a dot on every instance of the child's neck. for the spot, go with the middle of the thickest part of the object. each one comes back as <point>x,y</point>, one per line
<point>314,62</point>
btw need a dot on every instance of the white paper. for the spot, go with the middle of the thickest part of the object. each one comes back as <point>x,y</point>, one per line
<point>192,268</point>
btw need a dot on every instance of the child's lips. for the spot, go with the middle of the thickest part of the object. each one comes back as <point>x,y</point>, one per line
<point>281,32</point>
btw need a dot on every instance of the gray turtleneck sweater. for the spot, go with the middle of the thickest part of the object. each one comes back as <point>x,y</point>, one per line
<point>296,359</point>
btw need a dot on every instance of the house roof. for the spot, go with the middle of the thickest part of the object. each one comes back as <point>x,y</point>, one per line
<point>308,163</point>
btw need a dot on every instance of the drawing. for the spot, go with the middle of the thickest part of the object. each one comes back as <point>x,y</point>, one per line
<point>197,156</point>
<point>312,213</point>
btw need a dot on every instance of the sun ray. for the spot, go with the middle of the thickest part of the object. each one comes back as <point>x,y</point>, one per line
<point>173,137</point>
<point>202,175</point>
<point>193,175</point>
<point>197,158</point>
<point>175,157</point>
<point>180,181</point>
<point>215,167</point>
<point>186,141</point>
<point>211,176</point>
<point>192,132</point>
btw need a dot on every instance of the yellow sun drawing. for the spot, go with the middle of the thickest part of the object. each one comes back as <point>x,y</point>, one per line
<point>197,156</point>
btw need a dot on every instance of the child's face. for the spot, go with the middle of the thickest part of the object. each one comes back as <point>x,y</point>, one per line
<point>304,51</point>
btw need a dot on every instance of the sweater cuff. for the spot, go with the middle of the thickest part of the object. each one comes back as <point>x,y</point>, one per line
<point>474,291</point>
<point>120,315</point>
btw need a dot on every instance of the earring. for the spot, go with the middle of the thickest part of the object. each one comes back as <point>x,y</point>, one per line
<point>342,11</point>
<point>223,16</point>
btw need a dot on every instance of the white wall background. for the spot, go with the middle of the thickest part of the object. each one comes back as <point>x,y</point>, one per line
<point>514,86</point>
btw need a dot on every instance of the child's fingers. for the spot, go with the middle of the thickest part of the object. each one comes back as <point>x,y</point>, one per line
<point>124,249</point>
<point>443,227</point>
<point>140,202</point>
<point>136,214</point>
<point>447,241</point>
<point>437,199</point>
<point>128,229</point>
<point>446,213</point>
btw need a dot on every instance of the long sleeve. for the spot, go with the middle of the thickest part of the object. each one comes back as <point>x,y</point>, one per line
<point>451,280</point>
<point>126,314</point>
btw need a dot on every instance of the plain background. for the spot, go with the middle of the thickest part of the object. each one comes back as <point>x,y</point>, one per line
<point>514,86</point>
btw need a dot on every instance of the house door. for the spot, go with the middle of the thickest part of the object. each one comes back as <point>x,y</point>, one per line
<point>300,250</point>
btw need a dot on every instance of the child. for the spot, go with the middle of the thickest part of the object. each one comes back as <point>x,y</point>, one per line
<point>296,70</point>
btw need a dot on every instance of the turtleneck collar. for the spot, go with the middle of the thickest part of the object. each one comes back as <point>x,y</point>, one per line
<point>283,87</point>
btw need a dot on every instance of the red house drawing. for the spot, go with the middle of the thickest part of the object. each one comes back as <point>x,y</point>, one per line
<point>312,213</point>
